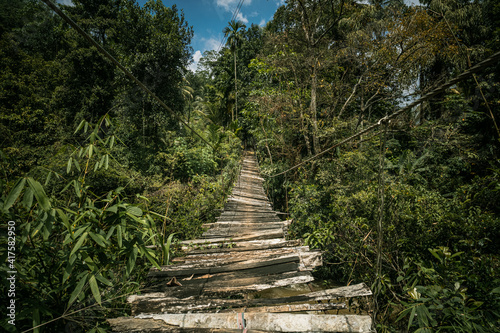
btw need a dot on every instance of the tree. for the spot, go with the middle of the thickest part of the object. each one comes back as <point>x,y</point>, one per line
<point>233,34</point>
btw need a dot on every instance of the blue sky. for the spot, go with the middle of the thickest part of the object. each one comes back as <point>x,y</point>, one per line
<point>209,17</point>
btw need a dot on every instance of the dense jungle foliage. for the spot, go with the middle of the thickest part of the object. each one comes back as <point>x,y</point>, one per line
<point>96,175</point>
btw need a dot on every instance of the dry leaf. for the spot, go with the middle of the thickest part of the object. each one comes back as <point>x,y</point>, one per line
<point>174,283</point>
<point>189,278</point>
<point>206,276</point>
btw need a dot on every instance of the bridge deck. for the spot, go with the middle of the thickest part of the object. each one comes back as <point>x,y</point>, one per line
<point>243,252</point>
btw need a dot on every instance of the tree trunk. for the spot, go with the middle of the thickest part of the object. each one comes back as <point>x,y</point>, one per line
<point>235,89</point>
<point>314,83</point>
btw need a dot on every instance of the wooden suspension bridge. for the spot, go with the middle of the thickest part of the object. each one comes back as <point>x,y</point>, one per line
<point>244,253</point>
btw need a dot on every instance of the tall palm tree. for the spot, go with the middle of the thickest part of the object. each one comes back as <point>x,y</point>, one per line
<point>233,34</point>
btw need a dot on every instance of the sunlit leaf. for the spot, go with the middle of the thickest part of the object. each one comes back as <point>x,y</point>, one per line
<point>95,289</point>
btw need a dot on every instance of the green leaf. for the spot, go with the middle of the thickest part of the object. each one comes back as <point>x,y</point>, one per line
<point>79,231</point>
<point>95,289</point>
<point>68,167</point>
<point>76,186</point>
<point>110,232</point>
<point>99,239</point>
<point>112,209</point>
<point>41,197</point>
<point>28,198</point>
<point>77,165</point>
<point>134,210</point>
<point>412,316</point>
<point>106,162</point>
<point>78,289</point>
<point>131,260</point>
<point>78,244</point>
<point>80,126</point>
<point>119,235</point>
<point>495,291</point>
<point>69,268</point>
<point>104,280</point>
<point>64,218</point>
<point>112,141</point>
<point>14,194</point>
<point>166,248</point>
<point>148,255</point>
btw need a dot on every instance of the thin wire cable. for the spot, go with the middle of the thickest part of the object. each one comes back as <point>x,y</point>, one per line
<point>121,67</point>
<point>235,13</point>
<point>476,68</point>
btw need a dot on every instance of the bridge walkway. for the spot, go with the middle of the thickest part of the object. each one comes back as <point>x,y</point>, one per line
<point>215,286</point>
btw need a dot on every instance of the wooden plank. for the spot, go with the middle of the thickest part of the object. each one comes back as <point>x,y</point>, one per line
<point>227,246</point>
<point>239,256</point>
<point>158,302</point>
<point>216,267</point>
<point>227,284</point>
<point>232,240</point>
<point>137,325</point>
<point>290,308</point>
<point>282,322</point>
<point>250,225</point>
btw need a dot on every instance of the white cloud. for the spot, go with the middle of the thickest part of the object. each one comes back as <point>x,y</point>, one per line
<point>230,5</point>
<point>241,18</point>
<point>66,2</point>
<point>196,59</point>
<point>211,43</point>
<point>262,23</point>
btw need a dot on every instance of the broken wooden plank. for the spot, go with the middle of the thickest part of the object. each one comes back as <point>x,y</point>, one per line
<point>231,283</point>
<point>159,302</point>
<point>211,267</point>
<point>282,322</point>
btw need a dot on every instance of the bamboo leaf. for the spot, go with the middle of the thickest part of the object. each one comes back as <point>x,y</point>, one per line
<point>95,289</point>
<point>41,197</point>
<point>104,280</point>
<point>106,162</point>
<point>28,198</point>
<point>98,239</point>
<point>77,165</point>
<point>14,194</point>
<point>119,235</point>
<point>79,244</point>
<point>68,167</point>
<point>167,247</point>
<point>80,126</point>
<point>69,268</point>
<point>110,232</point>
<point>78,289</point>
<point>131,260</point>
